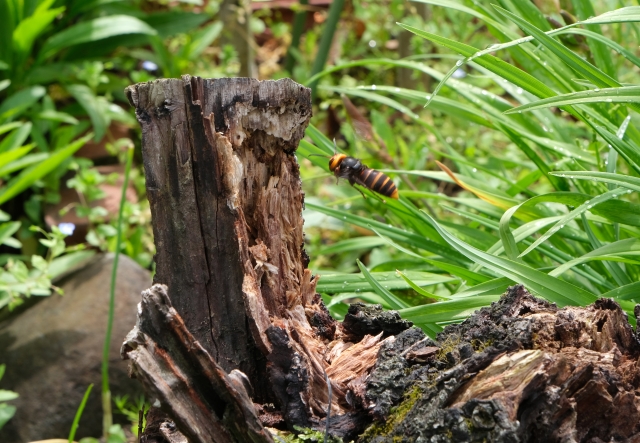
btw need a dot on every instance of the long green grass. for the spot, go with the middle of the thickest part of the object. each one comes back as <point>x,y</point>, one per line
<point>553,205</point>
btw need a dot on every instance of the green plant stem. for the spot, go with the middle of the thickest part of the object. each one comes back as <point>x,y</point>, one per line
<point>325,41</point>
<point>76,420</point>
<point>107,416</point>
<point>298,28</point>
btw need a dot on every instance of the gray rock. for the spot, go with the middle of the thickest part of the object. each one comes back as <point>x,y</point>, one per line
<point>53,351</point>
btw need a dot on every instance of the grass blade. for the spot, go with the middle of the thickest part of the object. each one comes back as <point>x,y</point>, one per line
<point>394,233</point>
<point>76,419</point>
<point>626,292</point>
<point>623,94</point>
<point>87,99</point>
<point>392,300</point>
<point>612,251</point>
<point>625,181</point>
<point>494,64</point>
<point>420,290</point>
<point>577,212</point>
<point>446,311</point>
<point>341,283</point>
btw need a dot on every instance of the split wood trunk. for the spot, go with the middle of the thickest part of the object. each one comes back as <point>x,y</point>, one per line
<point>233,337</point>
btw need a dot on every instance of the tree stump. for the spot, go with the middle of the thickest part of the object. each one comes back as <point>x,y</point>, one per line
<point>233,337</point>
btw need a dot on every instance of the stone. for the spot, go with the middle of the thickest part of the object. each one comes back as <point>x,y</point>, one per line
<point>53,351</point>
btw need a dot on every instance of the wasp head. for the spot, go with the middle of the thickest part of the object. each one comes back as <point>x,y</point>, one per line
<point>335,160</point>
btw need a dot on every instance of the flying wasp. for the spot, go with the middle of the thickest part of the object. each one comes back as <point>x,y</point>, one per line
<point>353,170</point>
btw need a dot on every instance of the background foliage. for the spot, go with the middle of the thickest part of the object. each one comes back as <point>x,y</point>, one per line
<point>509,127</point>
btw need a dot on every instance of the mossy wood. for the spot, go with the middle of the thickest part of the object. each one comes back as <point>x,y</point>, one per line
<point>238,339</point>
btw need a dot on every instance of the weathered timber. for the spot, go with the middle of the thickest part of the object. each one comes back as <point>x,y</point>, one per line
<point>206,404</point>
<point>226,205</point>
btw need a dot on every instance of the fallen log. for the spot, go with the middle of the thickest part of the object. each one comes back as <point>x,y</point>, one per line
<point>237,338</point>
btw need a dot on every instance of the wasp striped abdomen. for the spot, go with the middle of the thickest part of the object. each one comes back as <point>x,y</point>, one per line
<point>378,182</point>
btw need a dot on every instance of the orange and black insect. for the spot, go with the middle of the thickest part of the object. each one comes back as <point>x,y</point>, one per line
<point>353,170</point>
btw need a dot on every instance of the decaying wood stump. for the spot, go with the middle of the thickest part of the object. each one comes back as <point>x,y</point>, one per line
<point>233,336</point>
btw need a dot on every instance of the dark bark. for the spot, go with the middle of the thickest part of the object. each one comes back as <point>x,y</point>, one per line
<point>220,183</point>
<point>520,371</point>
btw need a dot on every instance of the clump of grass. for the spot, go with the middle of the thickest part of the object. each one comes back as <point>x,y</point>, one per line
<point>539,186</point>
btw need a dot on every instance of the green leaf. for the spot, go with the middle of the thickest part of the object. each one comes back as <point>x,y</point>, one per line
<point>626,292</point>
<point>69,262</point>
<point>494,64</point>
<point>393,233</point>
<point>23,162</point>
<point>622,15</point>
<point>57,116</point>
<point>7,395</point>
<point>352,244</point>
<point>623,94</point>
<point>39,263</point>
<point>31,27</point>
<point>606,41</point>
<point>446,311</point>
<point>601,55</point>
<point>418,289</point>
<point>76,420</point>
<point>577,212</point>
<point>458,271</point>
<point>19,102</point>
<point>630,152</point>
<point>15,139</point>
<point>85,96</point>
<point>204,38</point>
<point>6,412</point>
<point>95,30</point>
<point>622,248</point>
<point>10,127</point>
<point>36,172</point>
<point>14,154</point>
<point>624,181</point>
<point>574,61</point>
<point>338,283</point>
<point>614,210</point>
<point>389,298</point>
<point>7,229</point>
<point>496,286</point>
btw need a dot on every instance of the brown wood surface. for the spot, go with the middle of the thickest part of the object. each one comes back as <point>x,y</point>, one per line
<point>195,132</point>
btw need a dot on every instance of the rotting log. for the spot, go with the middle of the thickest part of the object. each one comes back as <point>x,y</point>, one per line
<point>238,339</point>
<point>522,370</point>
